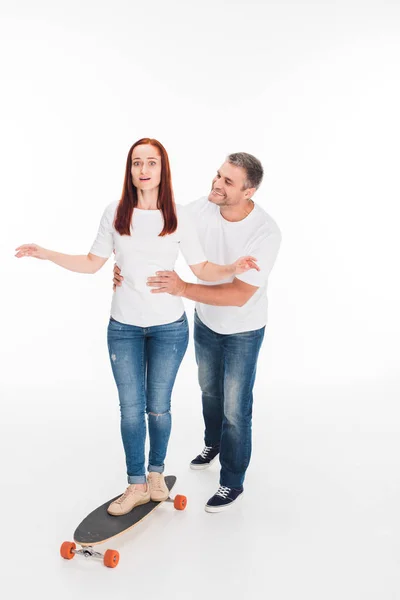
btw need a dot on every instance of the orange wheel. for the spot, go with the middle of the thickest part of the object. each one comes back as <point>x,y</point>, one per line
<point>66,550</point>
<point>111,558</point>
<point>180,502</point>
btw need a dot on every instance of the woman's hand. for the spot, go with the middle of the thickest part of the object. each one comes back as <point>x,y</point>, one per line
<point>31,250</point>
<point>243,264</point>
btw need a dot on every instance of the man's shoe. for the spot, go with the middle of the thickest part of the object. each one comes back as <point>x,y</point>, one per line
<point>158,487</point>
<point>224,498</point>
<point>130,498</point>
<point>206,458</point>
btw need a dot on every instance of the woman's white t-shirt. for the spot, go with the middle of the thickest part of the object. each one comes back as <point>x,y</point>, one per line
<point>139,256</point>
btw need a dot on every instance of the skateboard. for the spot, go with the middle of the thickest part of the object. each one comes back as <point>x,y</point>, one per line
<point>98,527</point>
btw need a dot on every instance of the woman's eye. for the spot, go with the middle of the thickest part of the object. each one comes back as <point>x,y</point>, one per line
<point>152,163</point>
<point>136,163</point>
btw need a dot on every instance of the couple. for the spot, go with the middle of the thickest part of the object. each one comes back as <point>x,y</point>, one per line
<point>148,328</point>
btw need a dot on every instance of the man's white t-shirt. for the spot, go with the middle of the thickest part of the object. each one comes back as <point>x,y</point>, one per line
<point>139,256</point>
<point>224,242</point>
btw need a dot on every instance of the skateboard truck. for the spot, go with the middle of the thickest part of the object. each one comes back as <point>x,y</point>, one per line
<point>88,552</point>
<point>110,558</point>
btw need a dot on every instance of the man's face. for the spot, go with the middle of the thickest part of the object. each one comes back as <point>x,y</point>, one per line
<point>228,186</point>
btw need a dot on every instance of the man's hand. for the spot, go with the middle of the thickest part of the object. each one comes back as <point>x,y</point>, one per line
<point>167,282</point>
<point>118,279</point>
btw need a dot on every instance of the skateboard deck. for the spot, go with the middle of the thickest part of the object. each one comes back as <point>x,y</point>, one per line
<point>99,526</point>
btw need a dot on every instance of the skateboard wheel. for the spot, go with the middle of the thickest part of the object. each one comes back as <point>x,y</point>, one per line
<point>111,558</point>
<point>180,502</point>
<point>66,550</point>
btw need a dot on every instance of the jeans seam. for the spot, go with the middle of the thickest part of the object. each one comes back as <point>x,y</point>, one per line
<point>143,382</point>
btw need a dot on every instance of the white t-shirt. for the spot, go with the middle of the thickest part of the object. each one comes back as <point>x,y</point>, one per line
<point>139,256</point>
<point>224,242</point>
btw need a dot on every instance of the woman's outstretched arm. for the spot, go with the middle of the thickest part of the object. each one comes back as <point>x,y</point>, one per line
<point>86,263</point>
<point>208,271</point>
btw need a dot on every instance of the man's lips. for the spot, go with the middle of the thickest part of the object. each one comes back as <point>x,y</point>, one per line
<point>218,193</point>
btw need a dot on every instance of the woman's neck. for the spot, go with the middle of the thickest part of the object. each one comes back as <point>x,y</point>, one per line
<point>147,199</point>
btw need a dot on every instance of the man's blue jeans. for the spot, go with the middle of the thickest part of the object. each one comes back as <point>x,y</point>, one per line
<point>145,361</point>
<point>227,370</point>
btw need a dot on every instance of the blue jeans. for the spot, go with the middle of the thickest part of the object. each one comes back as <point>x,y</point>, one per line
<point>227,370</point>
<point>145,361</point>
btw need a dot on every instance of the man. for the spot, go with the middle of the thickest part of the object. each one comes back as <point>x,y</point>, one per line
<point>230,317</point>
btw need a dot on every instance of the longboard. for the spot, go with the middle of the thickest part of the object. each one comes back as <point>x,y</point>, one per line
<point>99,526</point>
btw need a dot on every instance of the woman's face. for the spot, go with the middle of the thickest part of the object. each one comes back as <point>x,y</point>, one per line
<point>146,167</point>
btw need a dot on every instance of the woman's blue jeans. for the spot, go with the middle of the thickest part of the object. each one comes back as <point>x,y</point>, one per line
<point>227,369</point>
<point>145,361</point>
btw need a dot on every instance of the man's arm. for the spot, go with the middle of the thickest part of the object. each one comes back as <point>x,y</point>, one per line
<point>236,293</point>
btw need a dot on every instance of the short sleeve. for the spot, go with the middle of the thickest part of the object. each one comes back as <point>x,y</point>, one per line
<point>103,244</point>
<point>189,242</point>
<point>195,208</point>
<point>265,253</point>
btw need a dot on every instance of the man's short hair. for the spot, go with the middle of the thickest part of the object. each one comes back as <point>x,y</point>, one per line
<point>251,165</point>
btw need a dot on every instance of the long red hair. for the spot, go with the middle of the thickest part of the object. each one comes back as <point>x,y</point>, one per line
<point>129,198</point>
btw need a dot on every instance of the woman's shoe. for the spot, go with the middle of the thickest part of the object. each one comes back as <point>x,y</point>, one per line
<point>132,497</point>
<point>157,485</point>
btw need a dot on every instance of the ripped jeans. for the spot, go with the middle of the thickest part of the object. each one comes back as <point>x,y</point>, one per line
<point>145,361</point>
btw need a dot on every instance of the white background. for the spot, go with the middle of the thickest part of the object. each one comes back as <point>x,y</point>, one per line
<point>310,88</point>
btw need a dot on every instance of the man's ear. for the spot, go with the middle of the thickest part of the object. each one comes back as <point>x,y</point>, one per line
<point>249,193</point>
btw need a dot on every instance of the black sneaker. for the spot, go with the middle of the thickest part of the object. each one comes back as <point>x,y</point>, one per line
<point>206,458</point>
<point>223,499</point>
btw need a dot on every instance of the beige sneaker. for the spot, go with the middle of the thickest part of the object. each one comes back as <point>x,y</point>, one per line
<point>130,498</point>
<point>157,485</point>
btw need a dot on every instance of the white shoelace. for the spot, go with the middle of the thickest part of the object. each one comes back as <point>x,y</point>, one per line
<point>223,491</point>
<point>205,452</point>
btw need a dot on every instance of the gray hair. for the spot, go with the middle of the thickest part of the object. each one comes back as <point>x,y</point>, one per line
<point>251,165</point>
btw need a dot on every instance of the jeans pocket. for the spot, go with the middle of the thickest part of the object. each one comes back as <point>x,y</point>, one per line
<point>182,319</point>
<point>113,322</point>
<point>114,325</point>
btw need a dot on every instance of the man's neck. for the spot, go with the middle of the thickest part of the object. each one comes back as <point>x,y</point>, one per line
<point>236,213</point>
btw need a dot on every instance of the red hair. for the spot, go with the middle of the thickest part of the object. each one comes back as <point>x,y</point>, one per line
<point>129,198</point>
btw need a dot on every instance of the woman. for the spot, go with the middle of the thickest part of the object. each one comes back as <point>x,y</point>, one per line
<point>147,333</point>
